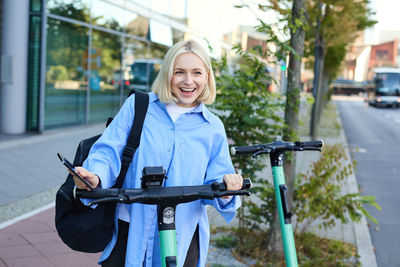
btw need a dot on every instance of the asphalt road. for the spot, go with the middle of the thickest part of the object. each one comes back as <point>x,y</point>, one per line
<point>373,135</point>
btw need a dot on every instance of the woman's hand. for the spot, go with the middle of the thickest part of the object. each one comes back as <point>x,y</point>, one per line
<point>92,178</point>
<point>233,182</point>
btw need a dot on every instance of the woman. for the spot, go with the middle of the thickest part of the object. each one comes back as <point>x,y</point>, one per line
<point>183,136</point>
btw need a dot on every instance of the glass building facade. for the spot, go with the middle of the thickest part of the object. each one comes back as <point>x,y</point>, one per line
<point>86,55</point>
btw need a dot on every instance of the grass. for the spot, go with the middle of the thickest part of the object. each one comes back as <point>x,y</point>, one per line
<point>312,250</point>
<point>329,123</point>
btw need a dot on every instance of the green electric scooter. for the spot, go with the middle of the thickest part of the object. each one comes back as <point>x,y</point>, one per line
<point>276,151</point>
<point>166,199</point>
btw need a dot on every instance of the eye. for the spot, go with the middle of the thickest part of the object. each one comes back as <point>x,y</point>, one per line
<point>197,72</point>
<point>178,72</point>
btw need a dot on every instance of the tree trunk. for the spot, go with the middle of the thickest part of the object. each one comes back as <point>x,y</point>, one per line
<point>291,114</point>
<point>320,92</point>
<point>317,90</point>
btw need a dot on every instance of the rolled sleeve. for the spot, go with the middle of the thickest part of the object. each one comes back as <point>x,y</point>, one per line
<point>220,164</point>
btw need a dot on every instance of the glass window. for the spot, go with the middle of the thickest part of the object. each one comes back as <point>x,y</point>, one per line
<point>105,64</point>
<point>137,25</point>
<point>160,33</point>
<point>74,9</point>
<point>144,3</point>
<point>157,51</point>
<point>177,35</point>
<point>108,15</point>
<point>162,7</point>
<point>36,5</point>
<point>135,73</point>
<point>65,89</point>
<point>179,11</point>
<point>33,74</point>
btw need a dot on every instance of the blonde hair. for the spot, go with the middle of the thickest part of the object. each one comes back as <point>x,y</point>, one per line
<point>162,84</point>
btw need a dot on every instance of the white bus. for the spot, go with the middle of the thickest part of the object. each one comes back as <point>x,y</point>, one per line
<point>386,89</point>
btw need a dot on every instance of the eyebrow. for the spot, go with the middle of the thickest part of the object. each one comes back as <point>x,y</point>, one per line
<point>191,69</point>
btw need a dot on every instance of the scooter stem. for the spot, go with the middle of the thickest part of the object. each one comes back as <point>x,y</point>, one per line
<point>284,212</point>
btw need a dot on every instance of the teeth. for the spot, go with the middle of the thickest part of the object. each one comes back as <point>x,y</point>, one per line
<point>187,89</point>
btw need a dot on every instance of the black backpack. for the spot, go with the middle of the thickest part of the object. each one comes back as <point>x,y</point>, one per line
<point>83,228</point>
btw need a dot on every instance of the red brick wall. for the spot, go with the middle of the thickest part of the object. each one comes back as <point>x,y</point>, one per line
<point>384,55</point>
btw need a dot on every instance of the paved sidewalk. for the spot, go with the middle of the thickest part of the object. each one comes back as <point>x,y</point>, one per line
<point>30,174</point>
<point>34,242</point>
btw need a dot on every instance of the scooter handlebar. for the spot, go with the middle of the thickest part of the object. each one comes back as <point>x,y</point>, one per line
<point>277,146</point>
<point>310,144</point>
<point>245,186</point>
<point>242,150</point>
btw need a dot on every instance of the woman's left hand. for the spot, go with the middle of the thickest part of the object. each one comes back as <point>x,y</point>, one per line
<point>233,181</point>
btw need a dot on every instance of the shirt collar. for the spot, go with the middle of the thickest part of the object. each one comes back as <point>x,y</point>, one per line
<point>153,97</point>
<point>201,108</point>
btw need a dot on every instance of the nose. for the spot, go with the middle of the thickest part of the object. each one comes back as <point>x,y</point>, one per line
<point>188,79</point>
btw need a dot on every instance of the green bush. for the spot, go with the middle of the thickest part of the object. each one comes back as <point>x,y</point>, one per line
<point>318,194</point>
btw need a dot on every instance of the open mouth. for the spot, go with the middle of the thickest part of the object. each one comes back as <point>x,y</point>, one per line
<point>187,90</point>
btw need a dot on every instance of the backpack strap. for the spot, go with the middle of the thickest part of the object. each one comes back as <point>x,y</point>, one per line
<point>141,104</point>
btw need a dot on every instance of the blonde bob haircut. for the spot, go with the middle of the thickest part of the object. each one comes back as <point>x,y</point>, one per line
<point>162,84</point>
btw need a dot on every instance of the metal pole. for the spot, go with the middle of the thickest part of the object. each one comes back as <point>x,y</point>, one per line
<point>42,90</point>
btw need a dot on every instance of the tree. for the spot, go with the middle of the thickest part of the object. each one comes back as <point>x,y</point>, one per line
<point>250,112</point>
<point>334,25</point>
<point>294,18</point>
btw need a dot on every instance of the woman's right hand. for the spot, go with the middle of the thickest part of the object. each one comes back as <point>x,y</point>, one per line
<point>92,178</point>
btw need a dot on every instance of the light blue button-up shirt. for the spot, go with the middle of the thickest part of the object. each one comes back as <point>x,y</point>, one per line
<point>193,151</point>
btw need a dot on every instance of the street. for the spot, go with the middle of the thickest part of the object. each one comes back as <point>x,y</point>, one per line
<point>373,135</point>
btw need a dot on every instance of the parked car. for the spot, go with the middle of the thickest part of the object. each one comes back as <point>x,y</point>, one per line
<point>143,73</point>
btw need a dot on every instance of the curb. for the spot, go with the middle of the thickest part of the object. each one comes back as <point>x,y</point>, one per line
<point>361,232</point>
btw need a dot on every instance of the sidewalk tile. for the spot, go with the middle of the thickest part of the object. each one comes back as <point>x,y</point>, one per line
<point>21,251</point>
<point>72,260</point>
<point>27,227</point>
<point>29,262</point>
<point>38,238</point>
<point>52,248</point>
<point>11,239</point>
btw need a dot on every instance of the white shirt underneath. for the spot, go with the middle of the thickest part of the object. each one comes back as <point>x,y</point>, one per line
<point>174,111</point>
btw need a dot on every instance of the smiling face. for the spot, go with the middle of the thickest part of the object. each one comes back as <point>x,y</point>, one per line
<point>189,79</point>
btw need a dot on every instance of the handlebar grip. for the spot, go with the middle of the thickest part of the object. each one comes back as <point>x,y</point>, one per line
<point>97,193</point>
<point>316,144</point>
<point>245,149</point>
<point>246,185</point>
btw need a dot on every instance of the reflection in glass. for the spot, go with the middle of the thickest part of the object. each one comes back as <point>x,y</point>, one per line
<point>36,5</point>
<point>32,123</point>
<point>160,33</point>
<point>65,88</point>
<point>74,9</point>
<point>162,7</point>
<point>145,3</point>
<point>137,25</point>
<point>108,15</point>
<point>177,35</point>
<point>158,51</point>
<point>134,75</point>
<point>179,11</point>
<point>105,64</point>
